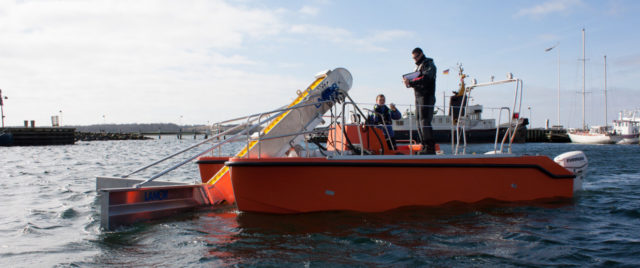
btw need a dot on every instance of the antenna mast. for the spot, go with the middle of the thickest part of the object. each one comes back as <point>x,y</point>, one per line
<point>605,91</point>
<point>584,73</point>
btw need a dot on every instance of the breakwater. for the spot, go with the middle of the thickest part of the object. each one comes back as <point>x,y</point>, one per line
<point>38,136</point>
<point>104,136</point>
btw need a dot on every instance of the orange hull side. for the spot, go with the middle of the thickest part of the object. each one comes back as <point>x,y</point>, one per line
<point>222,191</point>
<point>306,185</point>
<point>210,165</point>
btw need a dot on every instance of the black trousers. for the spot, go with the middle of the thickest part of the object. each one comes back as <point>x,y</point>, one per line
<point>425,101</point>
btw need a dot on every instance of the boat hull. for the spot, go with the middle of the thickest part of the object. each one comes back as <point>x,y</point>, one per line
<point>628,139</point>
<point>285,185</point>
<point>591,138</point>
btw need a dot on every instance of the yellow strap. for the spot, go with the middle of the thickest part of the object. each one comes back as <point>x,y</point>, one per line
<point>269,127</point>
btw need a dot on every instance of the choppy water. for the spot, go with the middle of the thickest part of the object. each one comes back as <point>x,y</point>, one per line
<point>49,217</point>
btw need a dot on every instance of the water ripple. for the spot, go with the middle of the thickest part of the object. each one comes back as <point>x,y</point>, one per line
<point>50,217</point>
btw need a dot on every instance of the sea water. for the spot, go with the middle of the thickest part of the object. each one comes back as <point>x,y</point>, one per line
<point>49,216</point>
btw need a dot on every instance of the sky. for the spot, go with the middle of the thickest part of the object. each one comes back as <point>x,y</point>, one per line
<point>199,62</point>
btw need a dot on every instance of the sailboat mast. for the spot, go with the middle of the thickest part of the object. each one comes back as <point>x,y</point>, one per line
<point>558,119</point>
<point>584,73</point>
<point>606,122</point>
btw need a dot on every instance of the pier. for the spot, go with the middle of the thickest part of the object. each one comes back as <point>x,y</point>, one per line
<point>547,135</point>
<point>178,134</point>
<point>26,136</point>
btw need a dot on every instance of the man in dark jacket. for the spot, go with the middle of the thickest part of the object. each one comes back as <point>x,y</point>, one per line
<point>424,87</point>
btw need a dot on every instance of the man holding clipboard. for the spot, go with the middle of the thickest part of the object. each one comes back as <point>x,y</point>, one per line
<point>423,82</point>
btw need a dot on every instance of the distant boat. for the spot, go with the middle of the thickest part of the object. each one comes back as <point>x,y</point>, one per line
<point>476,128</point>
<point>627,128</point>
<point>596,134</point>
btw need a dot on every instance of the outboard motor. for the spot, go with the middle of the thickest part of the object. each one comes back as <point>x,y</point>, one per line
<point>576,162</point>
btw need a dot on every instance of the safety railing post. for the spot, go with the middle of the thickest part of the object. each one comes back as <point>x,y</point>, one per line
<point>248,133</point>
<point>410,129</point>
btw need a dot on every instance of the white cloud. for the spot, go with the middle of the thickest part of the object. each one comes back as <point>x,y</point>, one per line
<point>309,10</point>
<point>548,37</point>
<point>345,37</point>
<point>146,61</point>
<point>384,36</point>
<point>132,60</point>
<point>628,60</point>
<point>320,31</point>
<point>551,6</point>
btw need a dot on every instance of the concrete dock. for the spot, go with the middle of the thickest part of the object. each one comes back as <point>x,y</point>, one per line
<point>26,136</point>
<point>547,135</point>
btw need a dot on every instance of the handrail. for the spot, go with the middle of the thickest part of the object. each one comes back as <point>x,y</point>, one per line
<point>385,129</point>
<point>219,124</point>
<point>246,131</point>
<point>289,135</point>
<point>515,130</point>
<point>218,136</point>
<point>359,122</point>
<point>463,106</point>
<point>495,144</point>
<point>410,131</point>
<point>249,128</point>
<point>188,160</point>
<point>511,131</point>
<point>182,151</point>
<point>353,104</point>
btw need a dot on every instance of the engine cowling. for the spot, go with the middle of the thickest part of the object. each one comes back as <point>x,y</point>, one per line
<point>576,162</point>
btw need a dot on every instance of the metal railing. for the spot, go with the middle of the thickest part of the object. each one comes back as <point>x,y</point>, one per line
<point>248,129</point>
<point>338,117</point>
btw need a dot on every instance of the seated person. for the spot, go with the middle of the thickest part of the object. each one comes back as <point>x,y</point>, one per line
<point>383,116</point>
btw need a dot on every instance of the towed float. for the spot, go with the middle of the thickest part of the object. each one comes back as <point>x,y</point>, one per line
<point>358,169</point>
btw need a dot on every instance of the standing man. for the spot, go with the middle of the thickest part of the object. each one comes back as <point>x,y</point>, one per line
<point>424,87</point>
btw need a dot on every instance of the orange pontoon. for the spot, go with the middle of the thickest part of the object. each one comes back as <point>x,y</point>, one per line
<point>373,183</point>
<point>361,171</point>
<point>285,185</point>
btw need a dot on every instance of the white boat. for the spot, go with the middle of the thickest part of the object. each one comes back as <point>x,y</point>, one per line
<point>599,134</point>
<point>627,128</point>
<point>476,128</point>
<point>483,130</point>
<point>595,135</point>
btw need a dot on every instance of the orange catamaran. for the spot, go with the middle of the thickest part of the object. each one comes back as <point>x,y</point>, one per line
<point>358,168</point>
